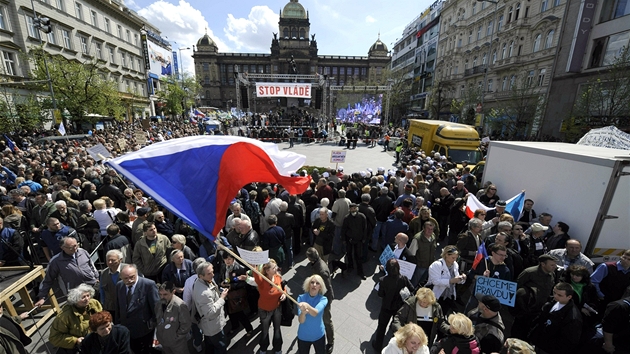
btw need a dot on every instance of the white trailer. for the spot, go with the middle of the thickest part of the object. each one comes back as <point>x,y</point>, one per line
<point>586,187</point>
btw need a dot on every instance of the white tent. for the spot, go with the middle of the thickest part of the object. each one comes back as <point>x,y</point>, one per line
<point>609,137</point>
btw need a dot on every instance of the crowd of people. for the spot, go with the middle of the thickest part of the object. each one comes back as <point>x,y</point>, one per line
<point>161,282</point>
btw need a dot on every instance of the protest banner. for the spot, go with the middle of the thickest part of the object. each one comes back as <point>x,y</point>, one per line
<point>503,290</point>
<point>254,257</point>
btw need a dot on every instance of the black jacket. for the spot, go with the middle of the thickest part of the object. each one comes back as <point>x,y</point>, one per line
<point>117,342</point>
<point>383,206</point>
<point>389,289</point>
<point>354,229</point>
<point>557,332</point>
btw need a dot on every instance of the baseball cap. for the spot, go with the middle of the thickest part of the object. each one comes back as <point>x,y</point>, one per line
<point>546,257</point>
<point>354,205</point>
<point>538,227</point>
<point>491,302</point>
<point>143,211</point>
<point>325,174</point>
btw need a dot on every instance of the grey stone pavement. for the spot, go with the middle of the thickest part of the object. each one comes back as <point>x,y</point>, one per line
<point>356,305</point>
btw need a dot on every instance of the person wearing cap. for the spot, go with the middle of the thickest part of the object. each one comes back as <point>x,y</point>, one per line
<point>499,209</point>
<point>489,327</point>
<point>534,286</point>
<point>136,228</point>
<point>611,279</point>
<point>558,327</point>
<point>535,244</point>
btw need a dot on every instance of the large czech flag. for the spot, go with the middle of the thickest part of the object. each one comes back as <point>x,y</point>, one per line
<point>514,205</point>
<point>197,177</point>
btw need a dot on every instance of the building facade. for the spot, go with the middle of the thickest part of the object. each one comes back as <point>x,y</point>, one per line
<point>82,30</point>
<point>293,51</point>
<point>594,33</point>
<point>489,52</point>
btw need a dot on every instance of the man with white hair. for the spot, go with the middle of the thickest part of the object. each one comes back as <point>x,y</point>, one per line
<point>67,215</point>
<point>109,277</point>
<point>237,212</point>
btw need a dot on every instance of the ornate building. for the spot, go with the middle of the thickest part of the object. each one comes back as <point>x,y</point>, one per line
<point>293,50</point>
<point>490,48</point>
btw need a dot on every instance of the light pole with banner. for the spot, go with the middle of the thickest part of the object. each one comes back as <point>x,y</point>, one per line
<point>181,62</point>
<point>487,64</point>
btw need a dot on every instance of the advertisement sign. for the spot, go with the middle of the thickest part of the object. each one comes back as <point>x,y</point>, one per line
<point>581,36</point>
<point>176,64</point>
<point>277,89</point>
<point>160,59</point>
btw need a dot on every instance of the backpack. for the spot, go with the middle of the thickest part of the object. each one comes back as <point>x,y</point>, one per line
<point>252,211</point>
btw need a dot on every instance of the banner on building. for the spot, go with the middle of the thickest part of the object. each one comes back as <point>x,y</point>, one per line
<point>277,89</point>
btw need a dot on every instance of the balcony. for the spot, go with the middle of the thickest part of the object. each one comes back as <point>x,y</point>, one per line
<point>474,71</point>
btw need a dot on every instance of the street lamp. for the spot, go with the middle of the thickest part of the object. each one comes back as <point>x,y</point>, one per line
<point>181,62</point>
<point>390,82</point>
<point>489,58</point>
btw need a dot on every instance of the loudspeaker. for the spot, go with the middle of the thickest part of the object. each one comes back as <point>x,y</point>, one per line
<point>318,98</point>
<point>244,97</point>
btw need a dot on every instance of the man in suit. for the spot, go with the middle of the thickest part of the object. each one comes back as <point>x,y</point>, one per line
<point>109,278</point>
<point>173,320</point>
<point>137,298</point>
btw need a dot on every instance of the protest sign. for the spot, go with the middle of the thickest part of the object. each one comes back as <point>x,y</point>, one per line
<point>503,290</point>
<point>254,257</point>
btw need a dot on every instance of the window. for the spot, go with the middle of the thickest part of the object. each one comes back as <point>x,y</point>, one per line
<point>99,50</point>
<point>490,85</point>
<point>459,43</point>
<point>302,33</point>
<point>51,37</point>
<point>613,9</point>
<point>530,77</point>
<point>120,33</point>
<point>549,39</point>
<point>9,63</point>
<point>32,30</point>
<point>556,2</point>
<point>67,42</point>
<point>616,43</point>
<point>139,65</point>
<point>206,80</point>
<point>509,19</point>
<point>123,59</point>
<point>94,18</point>
<point>84,44</point>
<point>504,84</point>
<point>108,27</point>
<point>474,63</point>
<point>128,34</point>
<point>500,23</point>
<point>516,11</point>
<point>494,57</point>
<point>489,29</point>
<point>111,55</point>
<point>466,64</point>
<point>541,76</point>
<point>474,8</point>
<point>61,5</point>
<point>470,37</point>
<point>512,81</point>
<point>3,24</point>
<point>537,42</point>
<point>206,67</point>
<point>135,39</point>
<point>285,33</point>
<point>78,11</point>
<point>503,51</point>
<point>543,5</point>
<point>479,32</point>
<point>484,59</point>
<point>511,49</point>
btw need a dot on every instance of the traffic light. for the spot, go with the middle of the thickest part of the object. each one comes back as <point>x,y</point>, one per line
<point>43,24</point>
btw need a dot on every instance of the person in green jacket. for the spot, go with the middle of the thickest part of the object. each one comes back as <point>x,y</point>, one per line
<point>72,324</point>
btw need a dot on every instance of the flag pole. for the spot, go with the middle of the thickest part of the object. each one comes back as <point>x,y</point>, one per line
<point>221,246</point>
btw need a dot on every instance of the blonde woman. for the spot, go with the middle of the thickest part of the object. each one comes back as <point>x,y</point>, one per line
<point>409,339</point>
<point>311,304</point>
<point>460,340</point>
<point>423,310</point>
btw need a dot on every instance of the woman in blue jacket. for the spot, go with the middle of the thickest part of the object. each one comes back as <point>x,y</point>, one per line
<point>311,306</point>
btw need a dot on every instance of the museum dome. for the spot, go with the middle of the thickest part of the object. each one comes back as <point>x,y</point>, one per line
<point>206,41</point>
<point>378,48</point>
<point>294,10</point>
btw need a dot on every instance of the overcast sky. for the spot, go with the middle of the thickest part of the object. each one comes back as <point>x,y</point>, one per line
<point>342,27</point>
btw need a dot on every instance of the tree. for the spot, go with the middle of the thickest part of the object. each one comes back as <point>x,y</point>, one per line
<point>80,88</point>
<point>19,111</point>
<point>518,114</point>
<point>178,95</point>
<point>440,99</point>
<point>604,100</point>
<point>465,106</point>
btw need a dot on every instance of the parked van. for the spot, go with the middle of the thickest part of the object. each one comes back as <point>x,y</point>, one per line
<point>460,142</point>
